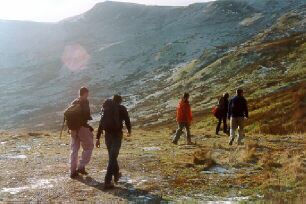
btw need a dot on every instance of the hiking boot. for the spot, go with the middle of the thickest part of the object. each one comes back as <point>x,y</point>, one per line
<point>117,177</point>
<point>108,186</point>
<point>231,143</point>
<point>174,142</point>
<point>74,175</point>
<point>82,171</point>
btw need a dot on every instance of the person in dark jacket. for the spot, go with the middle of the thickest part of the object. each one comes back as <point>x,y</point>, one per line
<point>222,113</point>
<point>113,141</point>
<point>237,112</point>
<point>81,137</point>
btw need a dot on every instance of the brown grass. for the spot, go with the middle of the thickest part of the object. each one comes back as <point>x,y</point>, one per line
<point>250,155</point>
<point>204,157</point>
<point>286,115</point>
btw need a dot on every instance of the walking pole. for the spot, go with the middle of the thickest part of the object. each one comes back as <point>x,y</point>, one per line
<point>62,128</point>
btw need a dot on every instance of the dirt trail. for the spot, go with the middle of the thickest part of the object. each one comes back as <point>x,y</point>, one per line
<point>35,168</point>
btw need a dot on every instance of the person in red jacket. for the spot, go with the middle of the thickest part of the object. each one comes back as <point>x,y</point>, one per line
<point>183,118</point>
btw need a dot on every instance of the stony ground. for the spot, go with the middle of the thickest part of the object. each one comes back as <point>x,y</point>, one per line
<point>35,168</point>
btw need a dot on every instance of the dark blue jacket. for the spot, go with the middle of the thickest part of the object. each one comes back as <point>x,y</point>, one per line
<point>238,107</point>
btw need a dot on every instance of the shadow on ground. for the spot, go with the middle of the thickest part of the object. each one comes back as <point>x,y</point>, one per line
<point>125,191</point>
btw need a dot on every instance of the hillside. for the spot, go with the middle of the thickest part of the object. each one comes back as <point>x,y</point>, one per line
<point>115,46</point>
<point>270,68</point>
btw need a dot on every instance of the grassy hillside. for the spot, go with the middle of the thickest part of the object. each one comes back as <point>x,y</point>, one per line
<point>270,68</point>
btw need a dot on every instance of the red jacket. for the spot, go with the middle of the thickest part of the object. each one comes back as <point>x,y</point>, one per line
<point>183,112</point>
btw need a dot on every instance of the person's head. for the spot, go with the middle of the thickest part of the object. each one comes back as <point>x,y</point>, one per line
<point>239,92</point>
<point>226,95</point>
<point>84,92</point>
<point>185,96</point>
<point>117,99</point>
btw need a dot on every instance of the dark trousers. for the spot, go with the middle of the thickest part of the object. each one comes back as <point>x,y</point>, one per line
<point>113,143</point>
<point>179,132</point>
<point>220,120</point>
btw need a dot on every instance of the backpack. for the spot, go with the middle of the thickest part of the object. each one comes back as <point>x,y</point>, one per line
<point>216,111</point>
<point>110,119</point>
<point>73,116</point>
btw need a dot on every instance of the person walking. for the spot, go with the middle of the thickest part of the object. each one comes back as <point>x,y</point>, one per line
<point>113,115</point>
<point>222,113</point>
<point>82,136</point>
<point>237,112</point>
<point>183,118</point>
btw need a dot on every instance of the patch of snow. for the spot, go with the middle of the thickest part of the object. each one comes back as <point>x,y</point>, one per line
<point>251,20</point>
<point>40,125</point>
<point>151,148</point>
<point>24,147</point>
<point>9,157</point>
<point>34,184</point>
<point>214,199</point>
<point>218,170</point>
<point>126,179</point>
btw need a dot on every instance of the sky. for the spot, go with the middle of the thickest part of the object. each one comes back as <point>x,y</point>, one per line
<point>56,10</point>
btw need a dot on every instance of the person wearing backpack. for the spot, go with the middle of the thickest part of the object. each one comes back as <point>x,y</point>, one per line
<point>113,115</point>
<point>81,134</point>
<point>183,118</point>
<point>237,112</point>
<point>222,113</point>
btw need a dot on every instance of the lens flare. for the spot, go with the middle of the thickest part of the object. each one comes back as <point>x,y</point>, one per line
<point>75,57</point>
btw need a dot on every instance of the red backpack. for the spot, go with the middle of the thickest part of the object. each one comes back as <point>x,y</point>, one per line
<point>216,111</point>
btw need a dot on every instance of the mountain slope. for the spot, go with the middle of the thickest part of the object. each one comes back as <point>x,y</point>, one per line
<point>115,47</point>
<point>270,67</point>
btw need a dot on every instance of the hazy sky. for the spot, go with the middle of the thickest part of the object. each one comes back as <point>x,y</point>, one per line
<point>55,10</point>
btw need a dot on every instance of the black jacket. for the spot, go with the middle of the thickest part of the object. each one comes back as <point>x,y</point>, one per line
<point>238,107</point>
<point>123,117</point>
<point>223,106</point>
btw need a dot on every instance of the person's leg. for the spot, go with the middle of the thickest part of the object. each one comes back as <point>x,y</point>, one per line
<point>178,133</point>
<point>109,145</point>
<point>225,130</point>
<point>75,146</point>
<point>86,138</point>
<point>240,130</point>
<point>233,124</point>
<point>188,134</point>
<point>218,126</point>
<point>115,154</point>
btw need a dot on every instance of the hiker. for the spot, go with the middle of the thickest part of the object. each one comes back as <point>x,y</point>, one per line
<point>81,136</point>
<point>113,115</point>
<point>237,112</point>
<point>183,118</point>
<point>222,113</point>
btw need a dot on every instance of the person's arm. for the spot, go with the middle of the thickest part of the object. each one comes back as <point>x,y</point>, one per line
<point>246,111</point>
<point>127,120</point>
<point>99,133</point>
<point>100,130</point>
